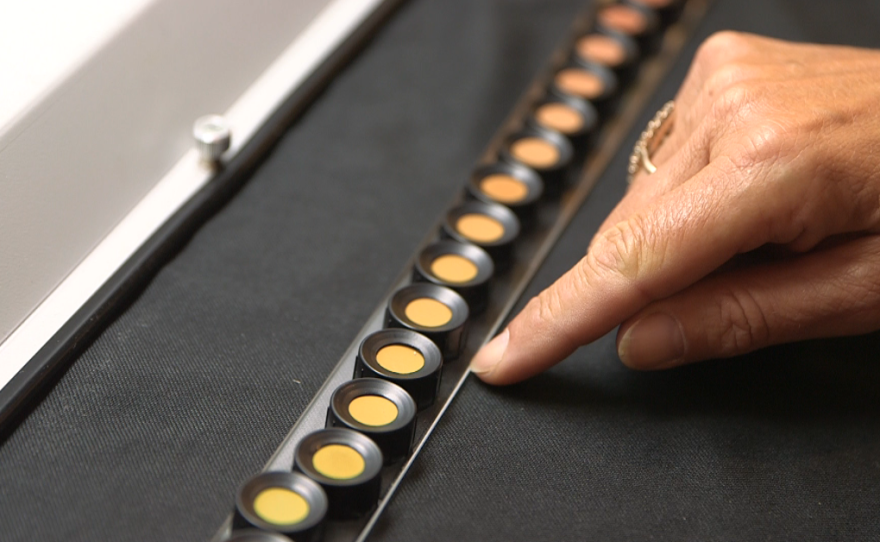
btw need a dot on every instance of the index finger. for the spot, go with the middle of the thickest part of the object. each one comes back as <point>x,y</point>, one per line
<point>682,237</point>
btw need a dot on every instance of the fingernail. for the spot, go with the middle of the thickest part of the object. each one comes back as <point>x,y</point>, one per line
<point>490,355</point>
<point>653,342</point>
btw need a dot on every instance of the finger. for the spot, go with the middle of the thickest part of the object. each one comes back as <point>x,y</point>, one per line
<point>645,258</point>
<point>825,293</point>
<point>730,207</point>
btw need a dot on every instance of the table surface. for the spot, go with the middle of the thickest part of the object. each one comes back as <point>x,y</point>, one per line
<point>190,390</point>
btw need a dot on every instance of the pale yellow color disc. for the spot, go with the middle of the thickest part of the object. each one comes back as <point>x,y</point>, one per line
<point>535,152</point>
<point>428,312</point>
<point>480,228</point>
<point>559,117</point>
<point>373,410</point>
<point>454,268</point>
<point>281,506</point>
<point>504,188</point>
<point>339,462</point>
<point>400,359</point>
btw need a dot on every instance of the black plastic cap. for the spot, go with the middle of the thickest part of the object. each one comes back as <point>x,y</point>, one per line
<point>348,498</point>
<point>394,439</point>
<point>581,138</point>
<point>450,336</point>
<point>606,100</point>
<point>554,176</point>
<point>422,385</point>
<point>500,249</point>
<point>306,530</point>
<point>627,68</point>
<point>648,38</point>
<point>476,290</point>
<point>525,208</point>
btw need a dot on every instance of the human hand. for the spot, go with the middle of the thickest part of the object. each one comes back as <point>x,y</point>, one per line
<point>759,226</point>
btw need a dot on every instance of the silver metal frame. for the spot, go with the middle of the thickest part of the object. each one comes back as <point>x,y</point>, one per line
<point>90,172</point>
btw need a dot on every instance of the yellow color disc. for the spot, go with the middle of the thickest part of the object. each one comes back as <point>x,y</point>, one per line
<point>454,268</point>
<point>428,312</point>
<point>535,152</point>
<point>559,117</point>
<point>504,188</point>
<point>400,359</point>
<point>339,462</point>
<point>480,228</point>
<point>281,506</point>
<point>373,410</point>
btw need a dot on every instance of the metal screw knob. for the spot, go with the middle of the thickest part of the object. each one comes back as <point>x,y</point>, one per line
<point>212,135</point>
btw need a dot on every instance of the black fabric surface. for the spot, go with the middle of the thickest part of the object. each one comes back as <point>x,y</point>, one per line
<point>148,434</point>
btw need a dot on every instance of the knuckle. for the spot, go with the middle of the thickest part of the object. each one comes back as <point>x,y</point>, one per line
<point>743,324</point>
<point>734,102</point>
<point>752,137</point>
<point>618,250</point>
<point>546,310</point>
<point>760,144</point>
<point>719,46</point>
<point>583,274</point>
<point>729,75</point>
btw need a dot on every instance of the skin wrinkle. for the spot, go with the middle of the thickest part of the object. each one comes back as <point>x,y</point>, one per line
<point>547,310</point>
<point>742,319</point>
<point>611,252</point>
<point>791,224</point>
<point>865,298</point>
<point>626,250</point>
<point>802,152</point>
<point>585,270</point>
<point>809,231</point>
<point>572,285</point>
<point>855,289</point>
<point>861,190</point>
<point>865,191</point>
<point>685,164</point>
<point>631,248</point>
<point>848,292</point>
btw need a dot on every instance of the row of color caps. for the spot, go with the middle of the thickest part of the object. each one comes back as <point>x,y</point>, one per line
<point>371,419</point>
